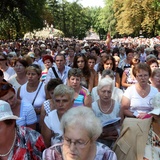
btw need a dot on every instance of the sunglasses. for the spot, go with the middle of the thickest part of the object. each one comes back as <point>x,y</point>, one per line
<point>4,87</point>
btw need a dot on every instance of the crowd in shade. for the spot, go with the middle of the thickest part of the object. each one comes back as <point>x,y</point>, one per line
<point>68,99</point>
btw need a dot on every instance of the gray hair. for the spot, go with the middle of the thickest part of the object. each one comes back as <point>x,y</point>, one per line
<point>63,90</point>
<point>107,72</point>
<point>84,117</point>
<point>105,82</point>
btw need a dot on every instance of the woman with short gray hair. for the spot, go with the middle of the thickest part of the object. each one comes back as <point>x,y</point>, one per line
<point>63,98</point>
<point>81,128</point>
<point>106,108</point>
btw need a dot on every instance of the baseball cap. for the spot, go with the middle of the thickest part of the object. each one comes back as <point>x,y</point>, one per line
<point>156,104</point>
<point>6,112</point>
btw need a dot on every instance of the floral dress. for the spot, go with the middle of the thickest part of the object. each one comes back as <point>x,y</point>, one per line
<point>152,150</point>
<point>103,153</point>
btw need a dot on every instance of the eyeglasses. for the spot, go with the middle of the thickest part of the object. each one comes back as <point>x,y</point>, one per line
<point>4,87</point>
<point>78,144</point>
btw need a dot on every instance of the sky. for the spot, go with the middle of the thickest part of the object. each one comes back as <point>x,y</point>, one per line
<point>90,3</point>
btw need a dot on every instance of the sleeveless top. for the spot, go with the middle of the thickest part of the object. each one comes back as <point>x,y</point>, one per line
<point>29,96</point>
<point>79,101</point>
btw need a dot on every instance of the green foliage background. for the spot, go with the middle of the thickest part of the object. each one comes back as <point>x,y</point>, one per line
<point>119,17</point>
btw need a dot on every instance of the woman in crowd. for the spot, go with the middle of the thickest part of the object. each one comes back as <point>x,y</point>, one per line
<point>125,63</point>
<point>48,62</point>
<point>80,61</point>
<point>140,139</point>
<point>7,70</point>
<point>108,62</point>
<point>116,93</point>
<point>91,63</point>
<point>20,78</point>
<point>48,105</point>
<point>34,90</point>
<point>17,143</point>
<point>128,78</point>
<point>80,129</point>
<point>63,98</point>
<point>153,63</point>
<point>81,95</point>
<point>136,101</point>
<point>105,108</point>
<point>20,108</point>
<point>155,79</point>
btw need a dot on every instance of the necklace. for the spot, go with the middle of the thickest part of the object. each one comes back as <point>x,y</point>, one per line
<point>107,109</point>
<point>4,155</point>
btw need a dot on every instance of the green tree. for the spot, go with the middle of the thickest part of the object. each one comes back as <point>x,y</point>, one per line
<point>20,16</point>
<point>135,15</point>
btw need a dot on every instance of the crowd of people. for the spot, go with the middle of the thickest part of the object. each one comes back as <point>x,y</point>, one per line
<point>64,99</point>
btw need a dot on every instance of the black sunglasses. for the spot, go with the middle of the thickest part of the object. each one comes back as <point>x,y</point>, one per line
<point>5,87</point>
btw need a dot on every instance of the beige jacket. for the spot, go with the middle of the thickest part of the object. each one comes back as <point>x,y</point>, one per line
<point>132,140</point>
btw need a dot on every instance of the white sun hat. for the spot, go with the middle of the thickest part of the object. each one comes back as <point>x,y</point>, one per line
<point>6,112</point>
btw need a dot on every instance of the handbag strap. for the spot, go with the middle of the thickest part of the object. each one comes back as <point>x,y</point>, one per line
<point>37,93</point>
<point>55,73</point>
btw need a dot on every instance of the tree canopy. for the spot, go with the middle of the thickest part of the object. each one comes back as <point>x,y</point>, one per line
<point>129,17</point>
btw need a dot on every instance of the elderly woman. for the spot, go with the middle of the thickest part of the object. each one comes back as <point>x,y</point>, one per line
<point>20,108</point>
<point>136,101</point>
<point>116,93</point>
<point>106,108</point>
<point>80,129</point>
<point>140,139</point>
<point>63,98</point>
<point>81,95</point>
<point>17,142</point>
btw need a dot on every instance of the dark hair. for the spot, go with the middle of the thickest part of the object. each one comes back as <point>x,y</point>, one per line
<point>5,87</point>
<point>104,60</point>
<point>1,73</point>
<point>22,61</point>
<point>53,83</point>
<point>59,54</point>
<point>96,49</point>
<point>128,50</point>
<point>85,70</point>
<point>141,66</point>
<point>151,61</point>
<point>76,72</point>
<point>91,57</point>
